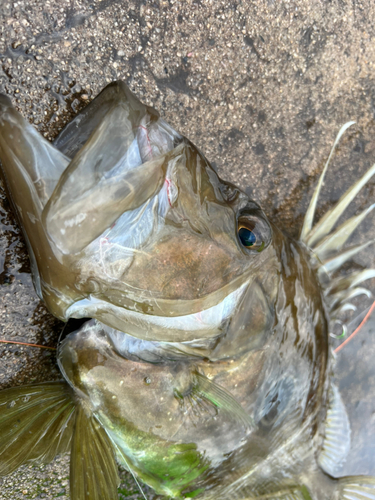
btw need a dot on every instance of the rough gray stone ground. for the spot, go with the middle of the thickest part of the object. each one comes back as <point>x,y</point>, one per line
<point>262,87</point>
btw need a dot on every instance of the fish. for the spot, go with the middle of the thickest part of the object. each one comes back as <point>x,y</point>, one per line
<point>199,358</point>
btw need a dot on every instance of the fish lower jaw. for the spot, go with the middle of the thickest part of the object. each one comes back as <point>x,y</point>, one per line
<point>205,324</point>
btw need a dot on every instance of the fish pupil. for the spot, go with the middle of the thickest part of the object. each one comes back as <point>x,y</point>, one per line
<point>247,237</point>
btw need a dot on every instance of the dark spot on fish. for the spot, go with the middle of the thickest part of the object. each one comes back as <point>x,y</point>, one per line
<point>6,279</point>
<point>211,41</point>
<point>179,18</point>
<point>47,38</point>
<point>249,41</point>
<point>14,52</point>
<point>136,63</point>
<point>249,191</point>
<point>166,71</point>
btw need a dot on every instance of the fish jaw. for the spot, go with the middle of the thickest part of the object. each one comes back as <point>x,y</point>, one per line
<point>124,210</point>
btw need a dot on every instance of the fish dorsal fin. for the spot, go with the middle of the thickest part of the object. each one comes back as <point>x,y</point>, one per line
<point>93,469</point>
<point>327,244</point>
<point>355,488</point>
<point>36,424</point>
<point>310,214</point>
<point>336,443</point>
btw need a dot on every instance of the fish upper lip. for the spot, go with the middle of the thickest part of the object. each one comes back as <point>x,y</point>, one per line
<point>205,323</point>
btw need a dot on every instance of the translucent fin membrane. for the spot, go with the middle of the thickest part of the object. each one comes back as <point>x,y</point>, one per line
<point>93,469</point>
<point>221,399</point>
<point>36,424</point>
<point>345,308</point>
<point>356,488</point>
<point>336,443</point>
<point>271,491</point>
<point>327,246</point>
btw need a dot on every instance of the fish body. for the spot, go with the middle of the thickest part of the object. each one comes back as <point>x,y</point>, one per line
<point>205,369</point>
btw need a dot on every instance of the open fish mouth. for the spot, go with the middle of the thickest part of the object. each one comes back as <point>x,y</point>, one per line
<point>128,223</point>
<point>206,323</point>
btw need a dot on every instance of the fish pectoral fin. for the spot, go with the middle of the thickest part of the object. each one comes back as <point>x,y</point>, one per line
<point>36,424</point>
<point>221,399</point>
<point>336,444</point>
<point>355,488</point>
<point>93,468</point>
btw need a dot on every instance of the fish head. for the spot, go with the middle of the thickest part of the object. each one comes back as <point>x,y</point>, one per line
<point>127,222</point>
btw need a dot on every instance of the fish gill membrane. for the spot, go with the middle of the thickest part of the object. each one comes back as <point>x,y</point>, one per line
<point>205,370</point>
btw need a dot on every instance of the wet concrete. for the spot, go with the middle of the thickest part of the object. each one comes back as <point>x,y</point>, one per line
<point>261,87</point>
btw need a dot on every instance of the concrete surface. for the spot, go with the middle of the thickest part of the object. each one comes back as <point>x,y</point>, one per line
<point>261,87</point>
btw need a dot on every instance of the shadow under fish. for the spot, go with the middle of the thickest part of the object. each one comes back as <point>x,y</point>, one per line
<point>205,369</point>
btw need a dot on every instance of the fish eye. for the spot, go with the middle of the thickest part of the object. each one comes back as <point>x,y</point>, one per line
<point>253,232</point>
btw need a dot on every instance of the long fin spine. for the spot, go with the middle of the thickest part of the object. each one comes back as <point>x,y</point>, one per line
<point>333,264</point>
<point>336,240</point>
<point>310,213</point>
<point>326,223</point>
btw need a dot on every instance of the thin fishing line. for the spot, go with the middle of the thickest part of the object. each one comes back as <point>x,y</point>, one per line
<point>365,319</point>
<point>134,477</point>
<point>25,343</point>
